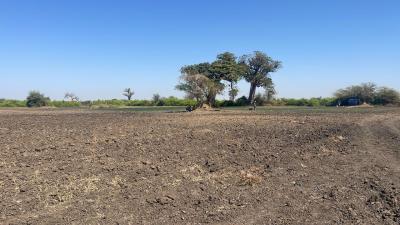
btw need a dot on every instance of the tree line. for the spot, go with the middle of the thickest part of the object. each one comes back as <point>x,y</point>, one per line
<point>369,93</point>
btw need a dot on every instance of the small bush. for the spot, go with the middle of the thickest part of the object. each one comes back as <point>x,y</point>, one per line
<point>86,103</point>
<point>242,101</point>
<point>139,103</point>
<point>156,98</point>
<point>259,99</point>
<point>64,104</point>
<point>387,96</point>
<point>173,101</point>
<point>312,102</point>
<point>36,99</point>
<point>228,103</point>
<point>12,103</point>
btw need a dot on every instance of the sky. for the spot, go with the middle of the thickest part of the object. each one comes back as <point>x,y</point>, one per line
<point>96,48</point>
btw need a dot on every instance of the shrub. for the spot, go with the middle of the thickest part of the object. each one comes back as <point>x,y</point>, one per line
<point>160,102</point>
<point>314,102</point>
<point>12,103</point>
<point>387,96</point>
<point>328,101</point>
<point>156,98</point>
<point>36,99</point>
<point>139,103</point>
<point>173,101</point>
<point>64,104</point>
<point>260,99</point>
<point>113,102</point>
<point>242,101</point>
<point>86,103</point>
<point>228,103</point>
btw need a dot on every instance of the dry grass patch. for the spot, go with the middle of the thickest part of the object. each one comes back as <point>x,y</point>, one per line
<point>251,176</point>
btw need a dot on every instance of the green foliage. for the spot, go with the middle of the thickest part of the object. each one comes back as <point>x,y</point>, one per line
<point>173,101</point>
<point>233,92</point>
<point>36,99</point>
<point>260,99</point>
<point>23,103</point>
<point>365,92</point>
<point>242,101</point>
<point>64,104</point>
<point>387,96</point>
<point>204,81</point>
<point>257,69</point>
<point>135,103</point>
<point>156,98</point>
<point>12,103</point>
<point>121,103</point>
<point>328,101</point>
<point>312,102</point>
<point>170,101</point>
<point>201,68</point>
<point>198,85</point>
<point>227,68</point>
<point>228,103</point>
<point>160,102</point>
<point>370,93</point>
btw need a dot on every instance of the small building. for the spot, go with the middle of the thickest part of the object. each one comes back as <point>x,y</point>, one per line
<point>352,101</point>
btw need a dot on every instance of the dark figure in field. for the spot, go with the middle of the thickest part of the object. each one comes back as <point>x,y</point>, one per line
<point>254,105</point>
<point>189,108</point>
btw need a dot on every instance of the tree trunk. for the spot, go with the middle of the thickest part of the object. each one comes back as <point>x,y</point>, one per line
<point>211,100</point>
<point>232,96</point>
<point>199,103</point>
<point>252,93</point>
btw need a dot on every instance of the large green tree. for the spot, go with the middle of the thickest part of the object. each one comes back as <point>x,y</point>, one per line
<point>198,82</point>
<point>257,69</point>
<point>226,67</point>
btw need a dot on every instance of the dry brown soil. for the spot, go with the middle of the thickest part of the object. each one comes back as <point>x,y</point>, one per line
<point>227,167</point>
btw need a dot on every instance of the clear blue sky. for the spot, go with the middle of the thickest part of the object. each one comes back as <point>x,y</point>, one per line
<point>96,48</point>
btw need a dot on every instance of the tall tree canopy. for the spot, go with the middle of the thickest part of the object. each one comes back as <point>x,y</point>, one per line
<point>258,67</point>
<point>227,68</point>
<point>198,83</point>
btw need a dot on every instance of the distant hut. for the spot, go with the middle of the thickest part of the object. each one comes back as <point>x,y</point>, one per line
<point>352,101</point>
